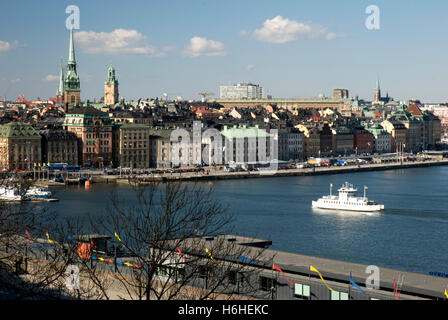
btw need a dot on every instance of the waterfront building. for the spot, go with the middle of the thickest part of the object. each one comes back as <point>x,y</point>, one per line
<point>94,129</point>
<point>59,146</point>
<point>248,144</point>
<point>398,133</point>
<point>441,112</point>
<point>382,139</point>
<point>326,140</point>
<point>363,141</point>
<point>343,141</point>
<point>111,88</point>
<point>241,91</point>
<point>431,129</point>
<point>414,141</point>
<point>20,146</point>
<point>131,146</point>
<point>72,84</point>
<point>290,144</point>
<point>311,139</point>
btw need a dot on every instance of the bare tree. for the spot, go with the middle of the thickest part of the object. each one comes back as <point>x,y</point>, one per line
<point>174,248</point>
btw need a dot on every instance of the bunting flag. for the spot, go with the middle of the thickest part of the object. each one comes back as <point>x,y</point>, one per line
<point>446,294</point>
<point>357,286</point>
<point>180,252</point>
<point>48,238</point>
<point>280,270</point>
<point>210,255</point>
<point>396,291</point>
<point>317,271</point>
<point>247,259</point>
<point>71,239</point>
<point>26,231</point>
<point>118,238</point>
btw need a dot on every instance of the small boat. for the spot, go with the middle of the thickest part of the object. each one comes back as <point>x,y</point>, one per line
<point>347,201</point>
<point>38,192</point>
<point>8,193</point>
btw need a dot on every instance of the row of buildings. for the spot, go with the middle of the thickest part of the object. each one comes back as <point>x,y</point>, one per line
<point>88,136</point>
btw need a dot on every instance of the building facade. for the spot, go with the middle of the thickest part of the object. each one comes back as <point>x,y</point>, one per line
<point>20,146</point>
<point>131,146</point>
<point>241,91</point>
<point>94,129</point>
<point>59,146</point>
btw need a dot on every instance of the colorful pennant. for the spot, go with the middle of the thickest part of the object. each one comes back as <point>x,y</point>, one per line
<point>280,270</point>
<point>118,238</point>
<point>357,286</point>
<point>180,252</point>
<point>396,291</point>
<point>26,231</point>
<point>446,294</point>
<point>210,255</point>
<point>317,271</point>
<point>48,238</point>
<point>247,259</point>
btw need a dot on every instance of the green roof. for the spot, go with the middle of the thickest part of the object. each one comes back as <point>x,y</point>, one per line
<point>18,130</point>
<point>161,133</point>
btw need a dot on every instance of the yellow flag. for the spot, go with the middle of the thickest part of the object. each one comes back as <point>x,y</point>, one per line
<point>101,259</point>
<point>446,294</point>
<point>48,238</point>
<point>210,255</point>
<point>116,236</point>
<point>129,264</point>
<point>315,270</point>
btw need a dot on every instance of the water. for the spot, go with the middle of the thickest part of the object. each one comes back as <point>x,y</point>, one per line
<point>409,235</point>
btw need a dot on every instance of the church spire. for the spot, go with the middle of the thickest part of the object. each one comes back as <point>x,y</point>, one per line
<point>71,53</point>
<point>61,81</point>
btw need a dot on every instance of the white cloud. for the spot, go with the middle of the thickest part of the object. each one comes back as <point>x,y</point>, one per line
<point>250,67</point>
<point>201,46</point>
<point>119,41</point>
<point>282,30</point>
<point>15,80</point>
<point>6,46</point>
<point>332,36</point>
<point>50,78</point>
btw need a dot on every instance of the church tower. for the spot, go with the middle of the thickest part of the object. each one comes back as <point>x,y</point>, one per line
<point>72,85</point>
<point>111,88</point>
<point>377,96</point>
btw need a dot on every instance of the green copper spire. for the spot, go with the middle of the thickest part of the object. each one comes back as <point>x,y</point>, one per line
<point>377,84</point>
<point>71,53</point>
<point>72,82</point>
<point>111,76</point>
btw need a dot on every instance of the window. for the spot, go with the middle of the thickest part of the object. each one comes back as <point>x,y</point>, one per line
<point>302,290</point>
<point>267,284</point>
<point>337,295</point>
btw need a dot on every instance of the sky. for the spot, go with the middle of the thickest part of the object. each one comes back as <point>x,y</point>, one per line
<point>292,48</point>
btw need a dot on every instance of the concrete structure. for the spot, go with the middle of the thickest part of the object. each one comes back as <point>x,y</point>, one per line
<point>398,133</point>
<point>94,129</point>
<point>241,91</point>
<point>20,146</point>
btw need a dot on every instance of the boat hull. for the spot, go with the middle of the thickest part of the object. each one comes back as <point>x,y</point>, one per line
<point>361,208</point>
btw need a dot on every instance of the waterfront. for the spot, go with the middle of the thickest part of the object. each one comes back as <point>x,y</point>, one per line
<point>409,235</point>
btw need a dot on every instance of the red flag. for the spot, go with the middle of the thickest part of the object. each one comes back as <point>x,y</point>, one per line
<point>26,231</point>
<point>180,252</point>
<point>278,269</point>
<point>396,291</point>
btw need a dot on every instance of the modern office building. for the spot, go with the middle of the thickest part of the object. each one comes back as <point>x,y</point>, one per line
<point>241,91</point>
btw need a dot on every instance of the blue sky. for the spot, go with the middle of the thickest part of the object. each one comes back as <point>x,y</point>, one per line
<point>182,47</point>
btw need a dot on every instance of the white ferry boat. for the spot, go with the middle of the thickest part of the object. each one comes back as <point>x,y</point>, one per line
<point>347,200</point>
